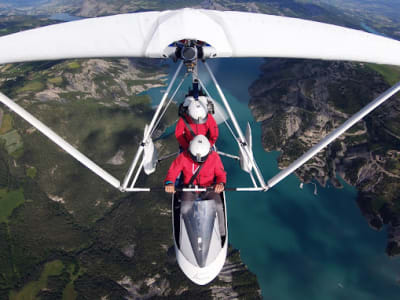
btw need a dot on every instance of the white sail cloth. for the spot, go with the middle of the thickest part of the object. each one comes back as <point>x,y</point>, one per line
<point>231,34</point>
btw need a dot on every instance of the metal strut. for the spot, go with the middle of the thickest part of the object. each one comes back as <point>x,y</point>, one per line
<point>228,189</point>
<point>59,141</point>
<point>169,103</point>
<point>218,112</point>
<point>148,132</point>
<point>242,141</point>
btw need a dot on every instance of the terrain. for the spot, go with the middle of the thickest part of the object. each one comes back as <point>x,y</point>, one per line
<point>299,102</point>
<point>382,15</point>
<point>66,234</point>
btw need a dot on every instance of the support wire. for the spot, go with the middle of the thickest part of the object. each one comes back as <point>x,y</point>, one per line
<point>168,104</point>
<point>243,143</point>
<point>150,129</point>
<point>219,113</point>
<point>54,137</point>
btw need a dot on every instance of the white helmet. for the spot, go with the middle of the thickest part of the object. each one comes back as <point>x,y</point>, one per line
<point>199,148</point>
<point>198,112</point>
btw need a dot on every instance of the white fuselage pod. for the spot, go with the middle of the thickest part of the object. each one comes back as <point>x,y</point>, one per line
<point>200,250</point>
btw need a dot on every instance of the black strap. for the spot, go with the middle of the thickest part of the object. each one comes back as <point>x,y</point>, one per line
<point>195,174</point>
<point>188,126</point>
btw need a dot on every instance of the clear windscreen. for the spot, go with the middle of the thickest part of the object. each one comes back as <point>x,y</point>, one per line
<point>199,222</point>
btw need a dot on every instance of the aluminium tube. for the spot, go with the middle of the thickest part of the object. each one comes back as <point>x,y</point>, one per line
<point>333,135</point>
<point>228,189</point>
<point>59,141</point>
<point>237,127</point>
<point>139,170</point>
<point>149,130</point>
<point>228,155</point>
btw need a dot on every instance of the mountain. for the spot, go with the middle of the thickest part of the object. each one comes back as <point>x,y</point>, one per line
<point>299,102</point>
<point>64,233</point>
<point>389,8</point>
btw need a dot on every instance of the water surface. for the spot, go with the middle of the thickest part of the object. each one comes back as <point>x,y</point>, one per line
<point>300,245</point>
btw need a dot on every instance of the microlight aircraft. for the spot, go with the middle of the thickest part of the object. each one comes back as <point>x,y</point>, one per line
<point>190,37</point>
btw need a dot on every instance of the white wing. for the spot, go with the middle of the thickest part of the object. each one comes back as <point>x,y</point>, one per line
<point>116,36</point>
<point>232,34</point>
<point>257,35</point>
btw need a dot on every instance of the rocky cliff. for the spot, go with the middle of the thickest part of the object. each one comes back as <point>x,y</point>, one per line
<point>64,233</point>
<point>299,102</point>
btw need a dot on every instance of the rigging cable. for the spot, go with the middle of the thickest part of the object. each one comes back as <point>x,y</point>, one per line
<point>219,113</point>
<point>169,102</point>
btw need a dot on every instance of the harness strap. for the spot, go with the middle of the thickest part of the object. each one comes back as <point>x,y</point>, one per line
<point>195,174</point>
<point>189,127</point>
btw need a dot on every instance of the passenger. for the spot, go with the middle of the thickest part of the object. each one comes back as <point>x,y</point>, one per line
<point>196,121</point>
<point>200,167</point>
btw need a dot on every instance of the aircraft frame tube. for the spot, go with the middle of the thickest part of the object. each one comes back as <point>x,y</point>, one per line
<point>237,127</point>
<point>253,179</point>
<point>59,141</point>
<point>137,174</point>
<point>149,130</point>
<point>239,189</point>
<point>334,135</point>
<point>132,168</point>
<point>228,155</point>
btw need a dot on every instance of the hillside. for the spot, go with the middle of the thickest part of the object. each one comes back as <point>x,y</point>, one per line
<point>66,234</point>
<point>299,102</point>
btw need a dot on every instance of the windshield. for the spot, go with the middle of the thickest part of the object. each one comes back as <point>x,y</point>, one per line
<point>199,223</point>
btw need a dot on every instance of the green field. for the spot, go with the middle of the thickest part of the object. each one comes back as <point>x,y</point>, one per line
<point>390,73</point>
<point>12,142</point>
<point>73,65</point>
<point>69,292</point>
<point>6,124</point>
<point>9,200</point>
<point>56,80</point>
<point>31,172</point>
<point>30,291</point>
<point>33,86</point>
<point>62,228</point>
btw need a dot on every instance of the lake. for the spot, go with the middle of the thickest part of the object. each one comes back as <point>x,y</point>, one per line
<point>299,245</point>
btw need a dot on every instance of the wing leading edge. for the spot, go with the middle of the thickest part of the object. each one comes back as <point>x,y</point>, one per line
<point>232,34</point>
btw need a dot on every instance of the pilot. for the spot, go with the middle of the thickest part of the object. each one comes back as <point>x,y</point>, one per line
<point>201,167</point>
<point>196,120</point>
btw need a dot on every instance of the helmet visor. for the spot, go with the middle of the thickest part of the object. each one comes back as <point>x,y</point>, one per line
<point>199,120</point>
<point>198,158</point>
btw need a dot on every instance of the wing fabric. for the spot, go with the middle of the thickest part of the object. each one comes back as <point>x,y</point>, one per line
<point>257,35</point>
<point>232,34</point>
<point>115,36</point>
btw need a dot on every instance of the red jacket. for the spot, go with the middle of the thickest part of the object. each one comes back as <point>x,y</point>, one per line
<point>184,136</point>
<point>212,172</point>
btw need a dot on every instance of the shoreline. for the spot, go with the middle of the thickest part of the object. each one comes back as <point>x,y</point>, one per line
<point>302,110</point>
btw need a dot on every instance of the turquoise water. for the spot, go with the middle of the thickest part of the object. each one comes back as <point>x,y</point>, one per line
<point>371,30</point>
<point>300,245</point>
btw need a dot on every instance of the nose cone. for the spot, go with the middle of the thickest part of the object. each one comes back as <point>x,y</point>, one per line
<point>201,253</point>
<point>199,222</point>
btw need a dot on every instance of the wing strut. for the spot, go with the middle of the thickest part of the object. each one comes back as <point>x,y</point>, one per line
<point>333,135</point>
<point>148,133</point>
<point>59,141</point>
<point>243,144</point>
